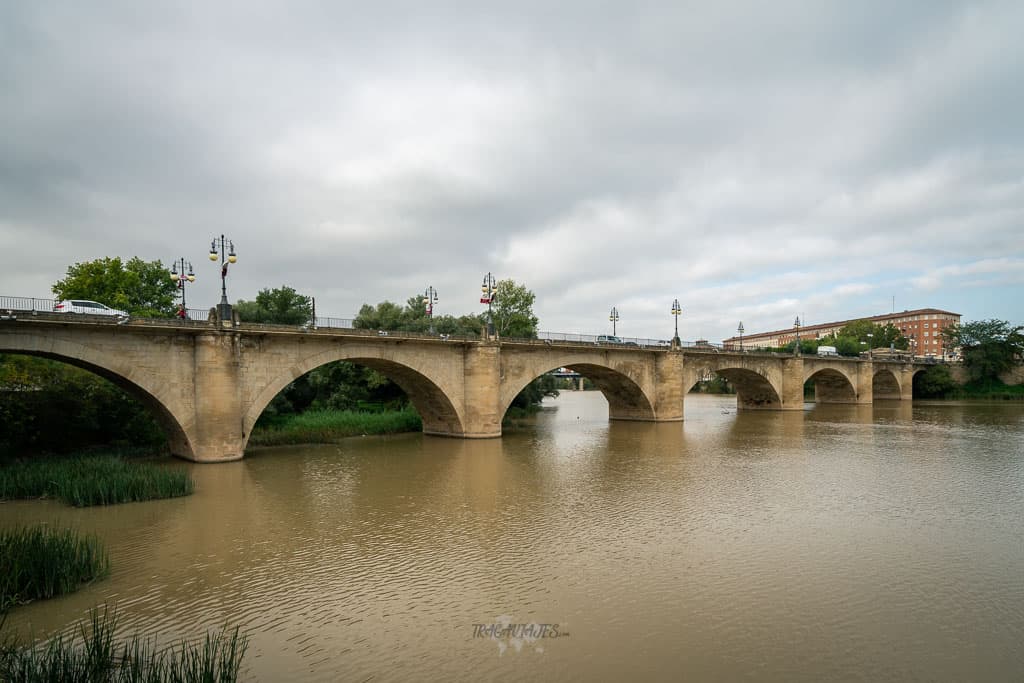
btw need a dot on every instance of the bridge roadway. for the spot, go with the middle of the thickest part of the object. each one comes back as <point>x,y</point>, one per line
<point>208,382</point>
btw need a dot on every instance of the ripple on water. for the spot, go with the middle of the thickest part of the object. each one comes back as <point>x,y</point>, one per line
<point>837,543</point>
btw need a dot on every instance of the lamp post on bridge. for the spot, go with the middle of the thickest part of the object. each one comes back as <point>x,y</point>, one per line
<point>740,330</point>
<point>182,280</point>
<point>429,299</point>
<point>796,326</point>
<point>488,289</point>
<point>223,308</point>
<point>677,311</point>
<point>614,317</point>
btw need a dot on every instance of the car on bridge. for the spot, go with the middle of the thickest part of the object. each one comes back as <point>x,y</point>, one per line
<point>85,306</point>
<point>612,339</point>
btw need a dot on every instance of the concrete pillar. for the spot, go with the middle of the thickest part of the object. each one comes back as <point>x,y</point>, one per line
<point>217,435</point>
<point>482,391</point>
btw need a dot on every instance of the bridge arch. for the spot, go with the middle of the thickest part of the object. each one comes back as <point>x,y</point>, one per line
<point>753,390</point>
<point>158,398</point>
<point>832,385</point>
<point>885,384</point>
<point>438,412</point>
<point>627,399</point>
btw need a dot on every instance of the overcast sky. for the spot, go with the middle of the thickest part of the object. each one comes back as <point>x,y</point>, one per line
<point>755,160</point>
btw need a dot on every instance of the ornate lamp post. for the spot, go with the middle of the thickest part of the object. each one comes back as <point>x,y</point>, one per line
<point>429,299</point>
<point>871,345</point>
<point>182,280</point>
<point>614,317</point>
<point>488,289</point>
<point>677,310</point>
<point>223,308</point>
<point>796,347</point>
<point>740,330</point>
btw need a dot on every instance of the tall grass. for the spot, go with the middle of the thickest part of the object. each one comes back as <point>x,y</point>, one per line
<point>92,480</point>
<point>41,562</point>
<point>93,656</point>
<point>324,426</point>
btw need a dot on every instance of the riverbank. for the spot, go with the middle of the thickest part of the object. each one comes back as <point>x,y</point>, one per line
<point>327,426</point>
<point>988,392</point>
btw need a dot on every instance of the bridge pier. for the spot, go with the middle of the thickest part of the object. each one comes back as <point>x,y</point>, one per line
<point>216,425</point>
<point>482,387</point>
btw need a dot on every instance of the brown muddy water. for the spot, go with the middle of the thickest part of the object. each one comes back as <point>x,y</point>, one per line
<point>840,543</point>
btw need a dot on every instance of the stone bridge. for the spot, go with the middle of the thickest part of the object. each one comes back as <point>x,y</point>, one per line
<point>207,383</point>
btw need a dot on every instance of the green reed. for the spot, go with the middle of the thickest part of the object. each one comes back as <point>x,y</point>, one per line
<point>93,655</point>
<point>324,426</point>
<point>92,480</point>
<point>42,562</point>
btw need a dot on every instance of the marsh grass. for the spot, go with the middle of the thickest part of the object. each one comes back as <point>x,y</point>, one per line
<point>325,426</point>
<point>42,562</point>
<point>94,655</point>
<point>92,480</point>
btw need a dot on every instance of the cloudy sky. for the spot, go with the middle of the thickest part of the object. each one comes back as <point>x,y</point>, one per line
<point>757,161</point>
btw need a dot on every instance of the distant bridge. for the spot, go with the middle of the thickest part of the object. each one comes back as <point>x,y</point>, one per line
<point>208,382</point>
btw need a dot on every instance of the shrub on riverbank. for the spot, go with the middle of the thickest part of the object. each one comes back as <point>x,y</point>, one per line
<point>994,390</point>
<point>92,480</point>
<point>41,562</point>
<point>325,426</point>
<point>94,656</point>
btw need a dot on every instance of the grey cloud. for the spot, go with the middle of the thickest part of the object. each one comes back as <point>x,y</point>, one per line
<point>743,158</point>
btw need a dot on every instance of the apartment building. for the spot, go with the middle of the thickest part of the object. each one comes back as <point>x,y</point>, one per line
<point>923,327</point>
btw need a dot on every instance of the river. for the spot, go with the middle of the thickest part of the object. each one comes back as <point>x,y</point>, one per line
<point>837,543</point>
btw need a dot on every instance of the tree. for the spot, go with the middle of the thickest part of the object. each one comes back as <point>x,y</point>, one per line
<point>142,288</point>
<point>49,406</point>
<point>282,306</point>
<point>935,382</point>
<point>513,311</point>
<point>988,347</point>
<point>388,315</point>
<point>863,335</point>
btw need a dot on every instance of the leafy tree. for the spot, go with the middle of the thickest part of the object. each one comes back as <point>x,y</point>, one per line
<point>142,288</point>
<point>862,335</point>
<point>513,311</point>
<point>386,315</point>
<point>282,306</point>
<point>38,394</point>
<point>935,382</point>
<point>988,347</point>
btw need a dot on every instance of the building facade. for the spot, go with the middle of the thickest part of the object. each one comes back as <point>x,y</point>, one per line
<point>923,327</point>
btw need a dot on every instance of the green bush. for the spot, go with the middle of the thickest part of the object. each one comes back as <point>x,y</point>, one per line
<point>42,562</point>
